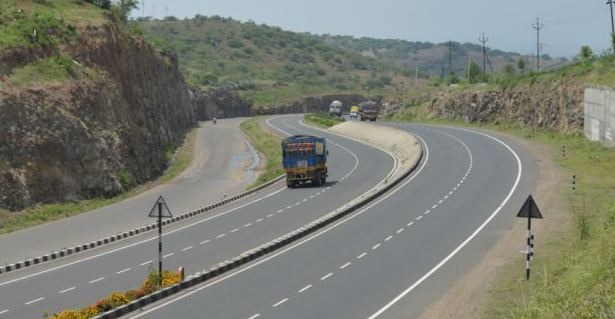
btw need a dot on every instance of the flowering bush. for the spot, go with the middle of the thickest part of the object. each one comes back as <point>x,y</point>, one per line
<point>69,314</point>
<point>116,299</point>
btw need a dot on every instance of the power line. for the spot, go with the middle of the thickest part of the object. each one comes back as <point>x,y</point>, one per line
<point>484,40</point>
<point>538,26</point>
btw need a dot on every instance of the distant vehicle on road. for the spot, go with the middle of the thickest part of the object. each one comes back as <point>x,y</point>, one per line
<point>368,111</point>
<point>335,108</point>
<point>304,158</point>
<point>354,111</point>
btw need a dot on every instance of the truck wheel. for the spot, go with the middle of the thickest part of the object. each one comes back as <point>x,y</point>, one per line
<point>323,179</point>
<point>317,179</point>
<point>290,184</point>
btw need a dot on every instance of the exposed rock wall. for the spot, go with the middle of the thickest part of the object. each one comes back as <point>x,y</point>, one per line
<point>94,135</point>
<point>556,105</point>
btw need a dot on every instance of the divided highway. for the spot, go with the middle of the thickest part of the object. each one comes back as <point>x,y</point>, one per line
<point>196,243</point>
<point>390,259</point>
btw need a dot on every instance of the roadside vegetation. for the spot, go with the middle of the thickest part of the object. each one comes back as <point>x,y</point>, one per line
<point>179,159</point>
<point>268,145</point>
<point>118,299</point>
<point>322,119</point>
<point>574,273</point>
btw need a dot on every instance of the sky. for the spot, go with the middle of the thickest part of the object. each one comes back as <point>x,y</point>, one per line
<point>568,24</point>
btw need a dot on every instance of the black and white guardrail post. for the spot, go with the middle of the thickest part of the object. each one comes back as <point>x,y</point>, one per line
<point>160,210</point>
<point>529,210</point>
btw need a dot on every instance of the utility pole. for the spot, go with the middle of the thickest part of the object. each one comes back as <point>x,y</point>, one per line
<point>610,3</point>
<point>538,26</point>
<point>484,40</point>
<point>416,74</point>
<point>450,56</point>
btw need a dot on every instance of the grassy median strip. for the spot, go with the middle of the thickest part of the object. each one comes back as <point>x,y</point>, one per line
<point>40,214</point>
<point>322,119</point>
<point>268,144</point>
<point>573,275</point>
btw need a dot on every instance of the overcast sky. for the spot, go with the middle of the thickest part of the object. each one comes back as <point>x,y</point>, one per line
<point>568,24</point>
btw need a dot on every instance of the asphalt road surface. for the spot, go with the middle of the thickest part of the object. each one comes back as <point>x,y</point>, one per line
<point>390,259</point>
<point>196,243</point>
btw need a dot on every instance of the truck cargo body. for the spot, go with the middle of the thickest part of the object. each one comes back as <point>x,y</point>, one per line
<point>304,159</point>
<point>368,111</point>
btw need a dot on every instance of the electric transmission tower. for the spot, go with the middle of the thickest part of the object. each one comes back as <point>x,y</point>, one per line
<point>538,26</point>
<point>484,40</point>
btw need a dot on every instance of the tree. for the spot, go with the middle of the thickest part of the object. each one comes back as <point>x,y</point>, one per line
<point>473,72</point>
<point>586,53</point>
<point>509,69</point>
<point>521,65</point>
<point>122,8</point>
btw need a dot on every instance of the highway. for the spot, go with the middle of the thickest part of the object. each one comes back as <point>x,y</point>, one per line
<point>390,259</point>
<point>197,243</point>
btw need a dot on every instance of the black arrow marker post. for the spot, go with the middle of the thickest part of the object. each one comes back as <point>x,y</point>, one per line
<point>529,210</point>
<point>160,210</point>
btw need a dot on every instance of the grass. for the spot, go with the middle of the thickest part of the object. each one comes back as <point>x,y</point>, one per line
<point>322,119</point>
<point>268,144</point>
<point>49,70</point>
<point>40,214</point>
<point>574,272</point>
<point>55,21</point>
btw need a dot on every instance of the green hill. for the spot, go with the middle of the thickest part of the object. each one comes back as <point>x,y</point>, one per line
<point>267,64</point>
<point>432,58</point>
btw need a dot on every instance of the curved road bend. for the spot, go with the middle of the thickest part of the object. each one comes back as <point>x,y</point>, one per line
<point>197,243</point>
<point>216,171</point>
<point>383,261</point>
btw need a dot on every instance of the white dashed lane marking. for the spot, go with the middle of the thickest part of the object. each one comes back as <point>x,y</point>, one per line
<point>280,211</point>
<point>419,218</point>
<point>168,255</point>
<point>97,280</point>
<point>66,290</point>
<point>234,230</point>
<point>361,255</point>
<point>4,311</point>
<point>220,236</point>
<point>205,242</point>
<point>280,302</point>
<point>145,263</point>
<point>123,271</point>
<point>255,316</point>
<point>34,301</point>
<point>345,265</point>
<point>376,246</point>
<point>326,276</point>
<point>188,248</point>
<point>388,238</point>
<point>247,225</point>
<point>399,230</point>
<point>304,288</point>
<point>410,224</point>
<point>259,220</point>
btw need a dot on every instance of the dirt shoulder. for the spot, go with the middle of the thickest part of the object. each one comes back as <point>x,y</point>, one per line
<point>470,295</point>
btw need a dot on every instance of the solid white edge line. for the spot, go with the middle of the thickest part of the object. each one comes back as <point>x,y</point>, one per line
<point>140,242</point>
<point>300,243</point>
<point>467,240</point>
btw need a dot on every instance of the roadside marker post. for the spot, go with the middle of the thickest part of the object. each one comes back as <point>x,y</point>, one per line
<point>160,210</point>
<point>529,210</point>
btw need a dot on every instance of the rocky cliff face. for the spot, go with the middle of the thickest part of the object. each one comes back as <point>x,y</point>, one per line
<point>316,104</point>
<point>95,135</point>
<point>556,105</point>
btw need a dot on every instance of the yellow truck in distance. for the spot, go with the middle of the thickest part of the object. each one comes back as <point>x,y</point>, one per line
<point>354,111</point>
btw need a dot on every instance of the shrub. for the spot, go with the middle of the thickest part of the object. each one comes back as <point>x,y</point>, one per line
<point>118,299</point>
<point>69,314</point>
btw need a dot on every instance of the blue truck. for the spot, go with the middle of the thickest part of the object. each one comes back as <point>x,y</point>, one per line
<point>304,158</point>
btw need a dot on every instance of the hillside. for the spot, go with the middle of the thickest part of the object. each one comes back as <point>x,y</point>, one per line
<point>267,64</point>
<point>89,109</point>
<point>432,58</point>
